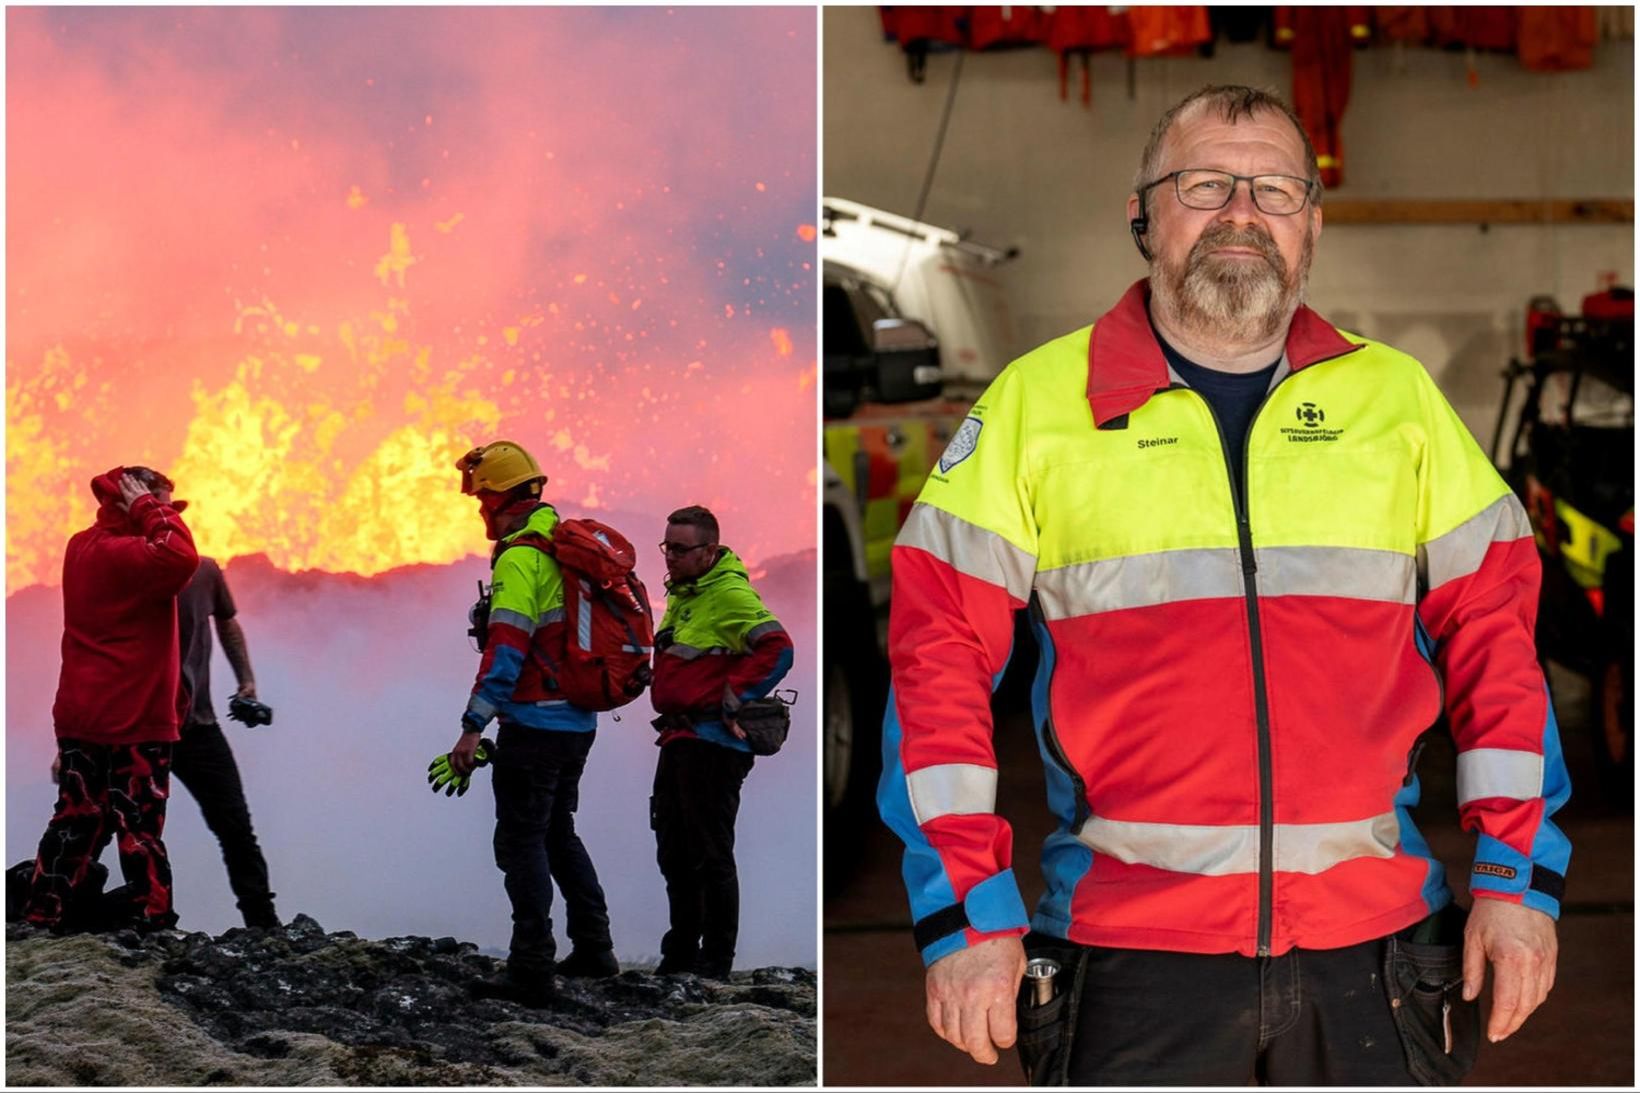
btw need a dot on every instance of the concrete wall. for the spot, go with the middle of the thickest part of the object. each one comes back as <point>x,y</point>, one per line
<point>1021,168</point>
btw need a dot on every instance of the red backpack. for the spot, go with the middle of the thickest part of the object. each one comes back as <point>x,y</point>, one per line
<point>609,626</point>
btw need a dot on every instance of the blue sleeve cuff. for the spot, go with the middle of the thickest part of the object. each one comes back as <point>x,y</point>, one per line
<point>993,906</point>
<point>1501,870</point>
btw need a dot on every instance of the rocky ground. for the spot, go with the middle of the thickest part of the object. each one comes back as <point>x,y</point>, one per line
<point>299,1006</point>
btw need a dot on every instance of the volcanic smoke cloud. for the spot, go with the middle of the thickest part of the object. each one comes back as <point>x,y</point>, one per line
<point>301,259</point>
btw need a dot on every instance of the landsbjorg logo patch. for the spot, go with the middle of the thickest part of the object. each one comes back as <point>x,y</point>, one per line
<point>1311,426</point>
<point>962,444</point>
<point>1489,869</point>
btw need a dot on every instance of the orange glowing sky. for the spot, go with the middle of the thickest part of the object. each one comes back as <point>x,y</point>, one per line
<point>302,258</point>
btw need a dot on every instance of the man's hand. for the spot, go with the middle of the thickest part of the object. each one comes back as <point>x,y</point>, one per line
<point>462,755</point>
<point>971,996</point>
<point>246,690</point>
<point>1521,945</point>
<point>131,488</point>
<point>56,768</point>
<point>740,733</point>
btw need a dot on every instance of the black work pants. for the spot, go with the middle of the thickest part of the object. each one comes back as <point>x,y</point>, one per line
<point>204,764</point>
<point>106,791</point>
<point>1380,1013</point>
<point>697,796</point>
<point>537,789</point>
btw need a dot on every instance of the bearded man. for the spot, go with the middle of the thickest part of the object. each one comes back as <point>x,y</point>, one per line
<point>1263,558</point>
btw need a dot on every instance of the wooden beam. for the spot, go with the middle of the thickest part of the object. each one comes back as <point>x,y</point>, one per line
<point>1401,211</point>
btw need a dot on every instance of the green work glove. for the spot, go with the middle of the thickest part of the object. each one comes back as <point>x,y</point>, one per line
<point>440,775</point>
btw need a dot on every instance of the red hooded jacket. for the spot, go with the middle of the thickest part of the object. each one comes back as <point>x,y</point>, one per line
<point>121,665</point>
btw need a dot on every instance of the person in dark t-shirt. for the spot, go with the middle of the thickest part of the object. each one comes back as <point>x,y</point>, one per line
<point>203,761</point>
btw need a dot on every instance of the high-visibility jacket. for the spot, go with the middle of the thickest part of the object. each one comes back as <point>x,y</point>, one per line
<point>717,647</point>
<point>1229,692</point>
<point>517,676</point>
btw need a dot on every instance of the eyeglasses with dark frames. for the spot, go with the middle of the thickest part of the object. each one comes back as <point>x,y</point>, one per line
<point>1277,195</point>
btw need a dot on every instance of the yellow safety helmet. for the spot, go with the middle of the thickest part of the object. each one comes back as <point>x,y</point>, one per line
<point>498,466</point>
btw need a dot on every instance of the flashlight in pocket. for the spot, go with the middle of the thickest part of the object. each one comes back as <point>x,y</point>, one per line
<point>1042,975</point>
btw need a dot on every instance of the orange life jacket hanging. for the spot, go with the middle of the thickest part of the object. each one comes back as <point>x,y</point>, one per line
<point>1321,40</point>
<point>1167,31</point>
<point>1081,31</point>
<point>1557,39</point>
<point>1008,27</point>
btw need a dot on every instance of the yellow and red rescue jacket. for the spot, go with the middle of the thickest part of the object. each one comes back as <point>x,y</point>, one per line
<point>517,676</point>
<point>1229,694</point>
<point>717,647</point>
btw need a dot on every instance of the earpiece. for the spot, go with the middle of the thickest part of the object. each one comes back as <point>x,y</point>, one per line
<point>1140,225</point>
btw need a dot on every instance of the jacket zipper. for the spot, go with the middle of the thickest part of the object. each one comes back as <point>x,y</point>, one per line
<point>1419,630</point>
<point>1261,698</point>
<point>1440,683</point>
<point>1050,738</point>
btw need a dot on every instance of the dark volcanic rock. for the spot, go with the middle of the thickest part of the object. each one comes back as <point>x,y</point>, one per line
<point>299,1006</point>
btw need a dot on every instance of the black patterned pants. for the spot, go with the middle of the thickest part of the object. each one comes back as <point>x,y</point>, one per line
<point>106,791</point>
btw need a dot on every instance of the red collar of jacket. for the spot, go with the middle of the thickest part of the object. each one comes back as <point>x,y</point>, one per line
<point>1126,366</point>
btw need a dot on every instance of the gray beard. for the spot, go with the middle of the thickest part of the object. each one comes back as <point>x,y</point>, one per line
<point>1226,300</point>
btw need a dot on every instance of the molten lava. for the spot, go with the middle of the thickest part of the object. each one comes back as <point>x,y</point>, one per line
<point>330,449</point>
<point>301,259</point>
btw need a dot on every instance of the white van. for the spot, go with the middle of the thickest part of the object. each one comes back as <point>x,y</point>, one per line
<point>914,325</point>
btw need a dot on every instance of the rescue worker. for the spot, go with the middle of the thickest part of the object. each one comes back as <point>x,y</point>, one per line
<point>118,700</point>
<point>203,762</point>
<point>717,647</point>
<point>1261,556</point>
<point>543,740</point>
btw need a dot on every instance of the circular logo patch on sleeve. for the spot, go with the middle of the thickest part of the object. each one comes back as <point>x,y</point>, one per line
<point>961,445</point>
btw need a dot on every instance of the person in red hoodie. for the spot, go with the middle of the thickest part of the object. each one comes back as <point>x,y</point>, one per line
<point>119,703</point>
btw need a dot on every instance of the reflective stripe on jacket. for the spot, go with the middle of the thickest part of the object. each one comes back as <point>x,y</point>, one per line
<point>1227,701</point>
<point>717,647</point>
<point>526,638</point>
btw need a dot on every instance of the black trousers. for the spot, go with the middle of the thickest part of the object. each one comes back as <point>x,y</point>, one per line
<point>204,764</point>
<point>697,796</point>
<point>537,789</point>
<point>1382,1013</point>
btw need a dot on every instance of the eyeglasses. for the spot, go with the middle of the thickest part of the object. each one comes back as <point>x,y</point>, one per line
<point>678,550</point>
<point>1278,195</point>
